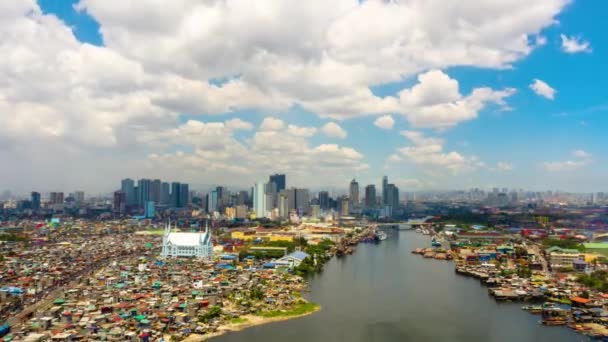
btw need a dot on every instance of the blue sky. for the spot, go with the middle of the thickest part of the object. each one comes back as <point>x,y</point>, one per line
<point>540,143</point>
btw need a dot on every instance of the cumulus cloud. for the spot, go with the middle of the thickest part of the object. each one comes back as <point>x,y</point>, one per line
<point>583,158</point>
<point>285,148</point>
<point>385,122</point>
<point>332,129</point>
<point>581,154</point>
<point>541,88</point>
<point>574,44</point>
<point>428,151</point>
<point>160,62</point>
<point>504,166</point>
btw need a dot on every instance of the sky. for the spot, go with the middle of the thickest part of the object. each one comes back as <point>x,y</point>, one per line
<point>436,94</point>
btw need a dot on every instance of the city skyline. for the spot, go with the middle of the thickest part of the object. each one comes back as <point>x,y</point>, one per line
<point>458,107</point>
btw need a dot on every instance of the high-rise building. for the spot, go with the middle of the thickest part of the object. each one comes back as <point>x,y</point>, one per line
<point>279,180</point>
<point>283,204</point>
<point>259,200</point>
<point>353,193</point>
<point>384,190</point>
<point>344,209</point>
<point>150,209</point>
<point>143,187</point>
<point>120,202</point>
<point>392,197</point>
<point>155,190</point>
<point>165,193</point>
<point>35,198</point>
<point>302,201</point>
<point>212,199</point>
<point>271,195</point>
<point>79,197</point>
<point>242,198</point>
<point>370,196</point>
<point>175,196</point>
<point>324,200</point>
<point>315,211</point>
<point>184,195</point>
<point>56,197</point>
<point>128,187</point>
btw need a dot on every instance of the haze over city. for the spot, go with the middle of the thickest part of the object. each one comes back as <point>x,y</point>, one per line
<point>500,94</point>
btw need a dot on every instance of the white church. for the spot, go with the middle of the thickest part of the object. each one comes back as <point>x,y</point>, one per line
<point>195,244</point>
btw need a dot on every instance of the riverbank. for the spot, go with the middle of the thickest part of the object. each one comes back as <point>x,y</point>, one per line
<point>247,321</point>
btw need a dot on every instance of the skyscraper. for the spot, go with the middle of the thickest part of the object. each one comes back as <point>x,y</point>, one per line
<point>212,201</point>
<point>56,197</point>
<point>35,200</point>
<point>128,187</point>
<point>120,199</point>
<point>165,193</point>
<point>259,199</point>
<point>392,197</point>
<point>143,187</point>
<point>370,196</point>
<point>353,193</point>
<point>384,190</point>
<point>184,195</point>
<point>175,194</point>
<point>283,204</point>
<point>279,180</point>
<point>324,200</point>
<point>155,190</point>
<point>79,196</point>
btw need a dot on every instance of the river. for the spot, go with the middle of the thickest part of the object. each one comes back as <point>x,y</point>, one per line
<point>384,293</point>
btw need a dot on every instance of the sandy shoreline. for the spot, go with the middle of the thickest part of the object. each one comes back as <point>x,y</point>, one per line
<point>252,320</point>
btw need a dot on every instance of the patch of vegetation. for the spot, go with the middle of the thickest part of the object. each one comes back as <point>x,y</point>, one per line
<point>239,320</point>
<point>597,280</point>
<point>299,309</point>
<point>563,243</point>
<point>214,312</point>
<point>12,238</point>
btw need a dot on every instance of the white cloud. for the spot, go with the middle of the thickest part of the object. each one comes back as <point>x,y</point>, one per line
<point>332,129</point>
<point>301,131</point>
<point>272,124</point>
<point>504,166</point>
<point>385,122</point>
<point>574,44</point>
<point>581,154</point>
<point>567,165</point>
<point>239,124</point>
<point>159,62</point>
<point>428,151</point>
<point>583,159</point>
<point>541,88</point>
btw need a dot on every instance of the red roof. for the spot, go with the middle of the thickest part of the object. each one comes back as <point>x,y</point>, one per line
<point>580,300</point>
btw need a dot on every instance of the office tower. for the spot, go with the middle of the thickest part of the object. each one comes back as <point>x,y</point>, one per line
<point>392,197</point>
<point>370,196</point>
<point>155,190</point>
<point>150,209</point>
<point>302,201</point>
<point>128,187</point>
<point>324,200</point>
<point>165,193</point>
<point>279,180</point>
<point>79,196</point>
<point>35,198</point>
<point>119,203</point>
<point>344,209</point>
<point>143,187</point>
<point>184,195</point>
<point>283,204</point>
<point>259,200</point>
<point>384,190</point>
<point>242,198</point>
<point>212,199</point>
<point>315,211</point>
<point>56,197</point>
<point>175,186</point>
<point>353,193</point>
<point>271,195</point>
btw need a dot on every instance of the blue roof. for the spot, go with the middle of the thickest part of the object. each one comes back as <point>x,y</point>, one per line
<point>299,255</point>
